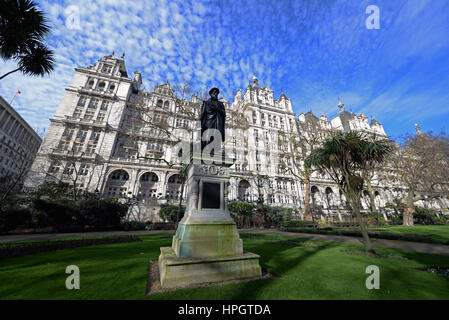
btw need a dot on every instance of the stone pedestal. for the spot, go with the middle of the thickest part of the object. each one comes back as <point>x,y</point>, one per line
<point>207,246</point>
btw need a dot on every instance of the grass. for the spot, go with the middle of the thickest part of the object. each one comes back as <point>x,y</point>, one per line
<point>438,233</point>
<point>305,269</point>
<point>418,233</point>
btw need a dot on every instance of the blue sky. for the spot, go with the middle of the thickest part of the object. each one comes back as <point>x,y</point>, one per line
<point>314,50</point>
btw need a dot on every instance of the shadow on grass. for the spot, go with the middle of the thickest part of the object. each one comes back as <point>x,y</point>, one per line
<point>270,249</point>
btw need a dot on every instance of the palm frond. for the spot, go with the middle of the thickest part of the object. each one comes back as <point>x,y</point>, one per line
<point>22,24</point>
<point>37,62</point>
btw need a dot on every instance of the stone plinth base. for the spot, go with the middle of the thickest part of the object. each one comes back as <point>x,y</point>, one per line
<point>178,272</point>
<point>207,239</point>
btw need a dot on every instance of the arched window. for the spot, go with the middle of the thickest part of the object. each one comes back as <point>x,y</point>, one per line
<point>120,175</point>
<point>101,85</point>
<point>176,178</point>
<point>174,187</point>
<point>149,176</point>
<point>111,88</point>
<point>244,190</point>
<point>166,104</point>
<point>90,84</point>
<point>159,103</point>
<point>314,191</point>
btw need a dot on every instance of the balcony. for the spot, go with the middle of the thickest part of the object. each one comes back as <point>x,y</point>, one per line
<point>143,161</point>
<point>96,92</point>
<point>91,122</point>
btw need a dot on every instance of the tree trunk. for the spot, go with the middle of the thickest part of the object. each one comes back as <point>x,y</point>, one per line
<point>8,73</point>
<point>371,197</point>
<point>407,219</point>
<point>354,198</point>
<point>307,201</point>
<point>356,207</point>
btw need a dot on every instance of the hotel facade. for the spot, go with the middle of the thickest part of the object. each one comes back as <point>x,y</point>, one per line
<point>95,142</point>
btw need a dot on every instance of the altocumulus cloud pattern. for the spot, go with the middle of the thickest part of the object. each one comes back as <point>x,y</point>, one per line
<point>314,50</point>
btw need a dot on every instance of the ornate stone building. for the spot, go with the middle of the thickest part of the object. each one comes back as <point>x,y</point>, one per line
<point>99,140</point>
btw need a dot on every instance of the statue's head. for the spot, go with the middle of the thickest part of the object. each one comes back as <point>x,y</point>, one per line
<point>214,93</point>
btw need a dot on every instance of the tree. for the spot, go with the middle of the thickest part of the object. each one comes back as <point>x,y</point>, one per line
<point>300,143</point>
<point>347,157</point>
<point>420,164</point>
<point>74,168</point>
<point>23,28</point>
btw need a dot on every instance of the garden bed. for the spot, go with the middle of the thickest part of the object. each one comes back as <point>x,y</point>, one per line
<point>11,250</point>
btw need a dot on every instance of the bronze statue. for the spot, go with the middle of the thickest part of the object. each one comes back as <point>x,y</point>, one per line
<point>213,115</point>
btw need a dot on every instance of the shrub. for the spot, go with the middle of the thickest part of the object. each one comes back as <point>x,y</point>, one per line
<point>133,225</point>
<point>241,208</point>
<point>150,226</point>
<point>75,215</point>
<point>58,212</point>
<point>293,224</point>
<point>99,213</point>
<point>275,215</point>
<point>169,212</point>
<point>12,217</point>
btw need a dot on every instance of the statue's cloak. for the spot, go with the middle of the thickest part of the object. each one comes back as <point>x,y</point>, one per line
<point>213,116</point>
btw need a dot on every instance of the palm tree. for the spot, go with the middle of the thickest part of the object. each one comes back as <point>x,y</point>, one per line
<point>347,157</point>
<point>23,28</point>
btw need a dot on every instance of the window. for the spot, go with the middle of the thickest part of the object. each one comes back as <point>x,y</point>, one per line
<point>55,167</point>
<point>77,147</point>
<point>106,68</point>
<point>159,103</point>
<point>120,175</point>
<point>90,84</point>
<point>104,105</point>
<point>95,135</point>
<point>82,101</point>
<point>68,133</point>
<point>82,134</point>
<point>91,147</point>
<point>101,86</point>
<point>93,104</point>
<point>100,117</point>
<point>84,169</point>
<point>63,145</point>
<point>175,179</point>
<point>77,113</point>
<point>89,115</point>
<point>70,168</point>
<point>112,88</point>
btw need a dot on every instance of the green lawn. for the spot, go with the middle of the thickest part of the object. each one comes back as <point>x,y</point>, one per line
<point>439,233</point>
<point>305,269</point>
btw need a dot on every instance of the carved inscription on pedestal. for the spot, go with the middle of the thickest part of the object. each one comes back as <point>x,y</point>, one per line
<point>212,170</point>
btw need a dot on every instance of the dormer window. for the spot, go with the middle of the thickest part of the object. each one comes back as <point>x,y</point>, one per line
<point>106,68</point>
